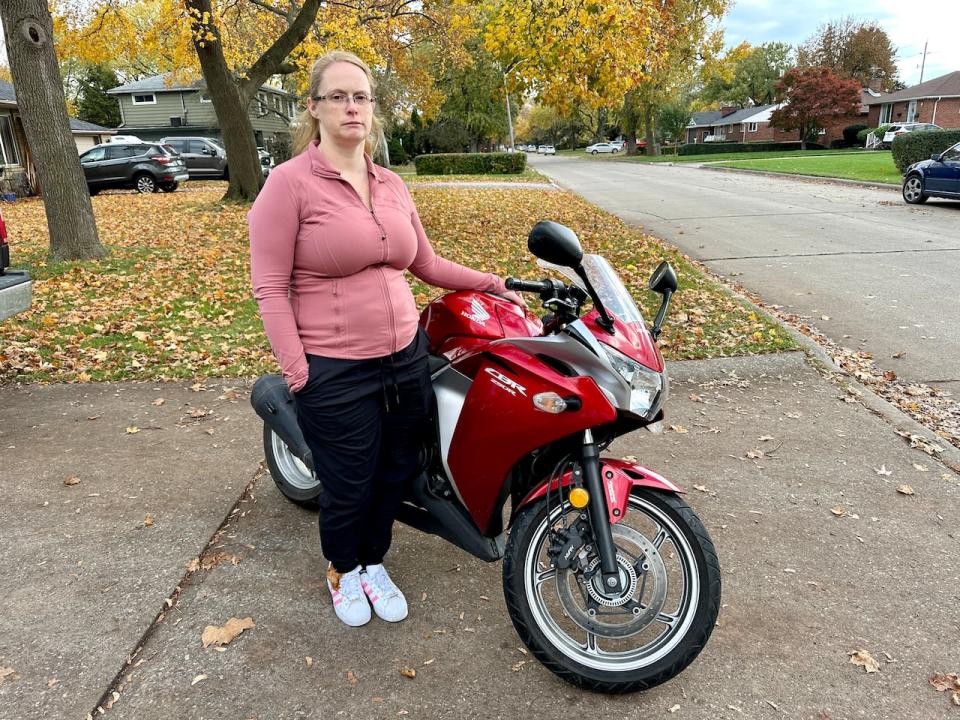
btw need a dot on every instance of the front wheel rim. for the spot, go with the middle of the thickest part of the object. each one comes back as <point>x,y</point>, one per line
<point>294,472</point>
<point>913,189</point>
<point>145,184</point>
<point>675,614</point>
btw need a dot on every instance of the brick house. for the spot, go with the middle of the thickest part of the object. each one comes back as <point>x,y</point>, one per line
<point>935,101</point>
<point>753,124</point>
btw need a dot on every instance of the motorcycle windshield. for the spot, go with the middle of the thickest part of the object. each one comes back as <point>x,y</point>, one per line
<point>610,289</point>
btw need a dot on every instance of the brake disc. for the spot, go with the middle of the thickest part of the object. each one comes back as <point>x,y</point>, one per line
<point>633,613</point>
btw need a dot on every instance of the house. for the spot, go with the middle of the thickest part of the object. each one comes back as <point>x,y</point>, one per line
<point>934,101</point>
<point>19,173</point>
<point>160,106</point>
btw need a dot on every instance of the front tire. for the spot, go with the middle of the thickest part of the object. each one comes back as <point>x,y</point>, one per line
<point>913,192</point>
<point>294,480</point>
<point>661,544</point>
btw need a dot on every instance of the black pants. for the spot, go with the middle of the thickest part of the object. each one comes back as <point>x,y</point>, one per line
<point>364,421</point>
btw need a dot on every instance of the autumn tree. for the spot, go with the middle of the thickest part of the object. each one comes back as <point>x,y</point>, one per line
<point>854,49</point>
<point>747,75</point>
<point>814,98</point>
<point>28,34</point>
<point>672,120</point>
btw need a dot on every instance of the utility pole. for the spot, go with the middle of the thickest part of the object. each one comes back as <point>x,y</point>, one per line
<point>509,115</point>
<point>923,62</point>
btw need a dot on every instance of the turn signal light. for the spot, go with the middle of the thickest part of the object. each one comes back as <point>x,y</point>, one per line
<point>579,498</point>
<point>550,402</point>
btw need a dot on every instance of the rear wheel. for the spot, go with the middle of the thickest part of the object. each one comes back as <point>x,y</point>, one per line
<point>593,152</point>
<point>913,190</point>
<point>145,183</point>
<point>294,479</point>
<point>635,639</point>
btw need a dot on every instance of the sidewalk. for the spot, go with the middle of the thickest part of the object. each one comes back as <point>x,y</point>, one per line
<point>803,587</point>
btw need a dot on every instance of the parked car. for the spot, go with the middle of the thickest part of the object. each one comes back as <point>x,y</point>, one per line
<point>16,288</point>
<point>618,145</point>
<point>146,167</point>
<point>205,157</point>
<point>937,177</point>
<point>601,147</point>
<point>901,128</point>
<point>549,150</point>
<point>266,161</point>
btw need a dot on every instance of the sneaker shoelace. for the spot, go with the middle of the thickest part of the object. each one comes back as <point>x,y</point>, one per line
<point>381,584</point>
<point>350,586</point>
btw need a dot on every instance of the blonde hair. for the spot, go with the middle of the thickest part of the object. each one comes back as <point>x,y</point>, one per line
<point>308,127</point>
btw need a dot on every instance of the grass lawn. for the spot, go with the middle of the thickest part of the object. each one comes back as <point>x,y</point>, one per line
<point>709,157</point>
<point>173,299</point>
<point>869,166</point>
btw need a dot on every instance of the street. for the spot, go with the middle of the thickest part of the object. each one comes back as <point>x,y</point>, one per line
<point>869,271</point>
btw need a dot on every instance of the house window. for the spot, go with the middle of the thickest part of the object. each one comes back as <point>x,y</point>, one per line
<point>751,127</point>
<point>144,99</point>
<point>277,102</point>
<point>262,101</point>
<point>912,111</point>
<point>290,108</point>
<point>885,111</point>
<point>205,97</point>
<point>8,146</point>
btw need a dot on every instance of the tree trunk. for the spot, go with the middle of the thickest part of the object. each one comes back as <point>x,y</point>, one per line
<point>231,97</point>
<point>243,163</point>
<point>28,32</point>
<point>652,148</point>
<point>629,121</point>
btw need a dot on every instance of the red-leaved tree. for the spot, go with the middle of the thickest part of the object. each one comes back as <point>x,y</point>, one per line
<point>814,97</point>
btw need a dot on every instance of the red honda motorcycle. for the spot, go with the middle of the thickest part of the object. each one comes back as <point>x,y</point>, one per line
<point>610,578</point>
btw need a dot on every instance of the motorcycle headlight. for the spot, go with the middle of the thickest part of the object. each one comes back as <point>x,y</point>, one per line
<point>646,386</point>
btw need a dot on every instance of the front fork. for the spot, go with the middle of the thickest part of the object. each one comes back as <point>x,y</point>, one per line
<point>597,513</point>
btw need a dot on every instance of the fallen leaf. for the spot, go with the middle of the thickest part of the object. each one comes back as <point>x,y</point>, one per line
<point>793,415</point>
<point>148,520</point>
<point>132,430</point>
<point>51,682</point>
<point>882,470</point>
<point>755,454</point>
<point>955,698</point>
<point>194,565</point>
<point>765,438</point>
<point>7,673</point>
<point>673,709</point>
<point>72,480</point>
<point>429,662</point>
<point>158,402</point>
<point>863,659</point>
<point>376,699</point>
<point>114,697</point>
<point>696,398</point>
<point>838,511</point>
<point>629,458</point>
<point>198,678</point>
<point>309,661</point>
<point>198,387</point>
<point>352,678</point>
<point>920,468</point>
<point>904,489</point>
<point>679,429</point>
<point>213,635</point>
<point>944,681</point>
<point>408,672</point>
<point>517,666</point>
<point>899,354</point>
<point>889,375</point>
<point>702,488</point>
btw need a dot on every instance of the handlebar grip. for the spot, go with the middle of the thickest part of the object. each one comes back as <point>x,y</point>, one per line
<point>537,286</point>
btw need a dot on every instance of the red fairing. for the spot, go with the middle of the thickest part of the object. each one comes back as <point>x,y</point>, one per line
<point>453,318</point>
<point>618,477</point>
<point>499,423</point>
<point>634,342</point>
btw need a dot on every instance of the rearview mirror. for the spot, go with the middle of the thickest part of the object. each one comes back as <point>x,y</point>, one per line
<point>663,279</point>
<point>555,243</point>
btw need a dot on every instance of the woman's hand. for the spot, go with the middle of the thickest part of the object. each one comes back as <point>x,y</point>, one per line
<point>514,297</point>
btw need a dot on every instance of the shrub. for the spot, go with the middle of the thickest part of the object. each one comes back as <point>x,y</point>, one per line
<point>912,147</point>
<point>838,144</point>
<point>851,134</point>
<point>398,156</point>
<point>729,147</point>
<point>862,135</point>
<point>471,163</point>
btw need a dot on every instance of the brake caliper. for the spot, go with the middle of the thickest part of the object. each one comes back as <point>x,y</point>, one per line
<point>566,543</point>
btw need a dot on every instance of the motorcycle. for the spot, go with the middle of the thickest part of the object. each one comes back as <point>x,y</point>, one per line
<point>609,577</point>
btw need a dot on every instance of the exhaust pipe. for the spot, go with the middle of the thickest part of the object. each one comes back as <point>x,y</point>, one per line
<point>273,402</point>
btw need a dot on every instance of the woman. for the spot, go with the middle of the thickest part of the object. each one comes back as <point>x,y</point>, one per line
<point>331,235</point>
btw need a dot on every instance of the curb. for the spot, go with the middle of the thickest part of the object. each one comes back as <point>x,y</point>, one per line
<point>803,178</point>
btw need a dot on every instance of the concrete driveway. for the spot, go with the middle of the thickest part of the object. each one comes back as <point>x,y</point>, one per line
<point>868,270</point>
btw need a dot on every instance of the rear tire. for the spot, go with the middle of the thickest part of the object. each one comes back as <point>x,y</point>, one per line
<point>144,183</point>
<point>294,479</point>
<point>593,660</point>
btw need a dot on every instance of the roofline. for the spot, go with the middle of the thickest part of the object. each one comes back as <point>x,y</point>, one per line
<point>882,101</point>
<point>182,88</point>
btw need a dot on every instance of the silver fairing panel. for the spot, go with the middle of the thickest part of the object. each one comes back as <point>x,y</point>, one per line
<point>450,388</point>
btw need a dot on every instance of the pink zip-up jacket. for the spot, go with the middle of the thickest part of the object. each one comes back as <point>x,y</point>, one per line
<point>328,274</point>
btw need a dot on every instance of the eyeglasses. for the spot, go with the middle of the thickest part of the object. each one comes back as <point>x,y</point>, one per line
<point>341,98</point>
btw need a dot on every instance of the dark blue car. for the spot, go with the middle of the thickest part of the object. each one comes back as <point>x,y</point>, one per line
<point>937,177</point>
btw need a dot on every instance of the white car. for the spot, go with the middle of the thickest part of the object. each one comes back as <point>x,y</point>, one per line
<point>123,140</point>
<point>617,145</point>
<point>602,147</point>
<point>549,150</point>
<point>540,149</point>
<point>901,128</point>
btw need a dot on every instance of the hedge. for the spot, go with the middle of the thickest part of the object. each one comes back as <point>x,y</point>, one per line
<point>851,134</point>
<point>471,163</point>
<point>730,147</point>
<point>912,147</point>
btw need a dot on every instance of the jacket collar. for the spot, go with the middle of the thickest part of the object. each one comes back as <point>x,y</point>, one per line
<point>320,166</point>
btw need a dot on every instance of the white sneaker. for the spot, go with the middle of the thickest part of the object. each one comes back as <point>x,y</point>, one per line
<point>349,602</point>
<point>388,602</point>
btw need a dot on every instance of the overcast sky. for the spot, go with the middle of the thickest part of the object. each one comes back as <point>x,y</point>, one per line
<point>909,23</point>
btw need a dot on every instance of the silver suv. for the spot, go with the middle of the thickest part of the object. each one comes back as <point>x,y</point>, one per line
<point>204,156</point>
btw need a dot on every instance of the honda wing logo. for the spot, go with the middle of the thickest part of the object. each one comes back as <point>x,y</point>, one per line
<point>502,381</point>
<point>477,312</point>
